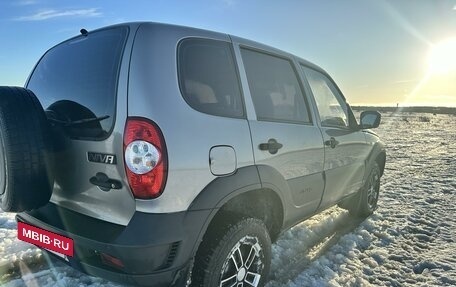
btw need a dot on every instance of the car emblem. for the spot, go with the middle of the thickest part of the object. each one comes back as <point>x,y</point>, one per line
<point>101,157</point>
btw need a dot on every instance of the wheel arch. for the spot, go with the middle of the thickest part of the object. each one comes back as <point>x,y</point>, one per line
<point>381,160</point>
<point>263,204</point>
<point>378,155</point>
<point>240,195</point>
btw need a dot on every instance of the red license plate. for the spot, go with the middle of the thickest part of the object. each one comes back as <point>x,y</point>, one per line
<point>45,239</point>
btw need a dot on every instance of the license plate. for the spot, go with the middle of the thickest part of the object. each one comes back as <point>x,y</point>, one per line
<point>42,238</point>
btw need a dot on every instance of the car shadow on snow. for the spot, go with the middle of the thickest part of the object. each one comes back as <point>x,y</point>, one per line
<point>298,247</point>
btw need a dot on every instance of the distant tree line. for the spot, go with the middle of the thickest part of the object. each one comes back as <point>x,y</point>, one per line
<point>431,110</point>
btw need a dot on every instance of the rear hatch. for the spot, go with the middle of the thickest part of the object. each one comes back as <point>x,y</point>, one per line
<point>81,83</point>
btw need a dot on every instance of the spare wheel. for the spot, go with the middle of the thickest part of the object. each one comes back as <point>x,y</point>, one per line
<point>26,178</point>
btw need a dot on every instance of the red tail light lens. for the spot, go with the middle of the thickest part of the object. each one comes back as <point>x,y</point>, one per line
<point>146,160</point>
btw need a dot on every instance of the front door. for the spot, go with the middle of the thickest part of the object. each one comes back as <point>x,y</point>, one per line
<point>345,147</point>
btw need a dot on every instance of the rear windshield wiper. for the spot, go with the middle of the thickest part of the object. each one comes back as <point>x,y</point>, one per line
<point>78,122</point>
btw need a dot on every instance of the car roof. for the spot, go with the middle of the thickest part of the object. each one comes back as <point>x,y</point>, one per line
<point>210,34</point>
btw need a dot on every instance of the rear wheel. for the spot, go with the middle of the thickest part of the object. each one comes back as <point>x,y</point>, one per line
<point>238,255</point>
<point>25,174</point>
<point>366,201</point>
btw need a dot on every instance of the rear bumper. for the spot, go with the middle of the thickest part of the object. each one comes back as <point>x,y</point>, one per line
<point>154,249</point>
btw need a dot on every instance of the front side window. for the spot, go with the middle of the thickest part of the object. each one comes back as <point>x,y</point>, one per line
<point>331,106</point>
<point>274,87</point>
<point>208,77</point>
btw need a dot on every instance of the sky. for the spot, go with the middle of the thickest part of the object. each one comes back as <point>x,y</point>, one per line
<point>378,52</point>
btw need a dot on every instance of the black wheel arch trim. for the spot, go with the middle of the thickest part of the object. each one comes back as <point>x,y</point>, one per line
<point>378,149</point>
<point>245,179</point>
<point>249,178</point>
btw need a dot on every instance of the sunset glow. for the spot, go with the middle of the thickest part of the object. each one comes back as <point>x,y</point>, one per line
<point>442,57</point>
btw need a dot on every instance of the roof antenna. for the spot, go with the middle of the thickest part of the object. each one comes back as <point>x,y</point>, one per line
<point>84,32</point>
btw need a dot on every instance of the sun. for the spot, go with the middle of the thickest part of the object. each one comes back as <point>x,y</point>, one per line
<point>442,57</point>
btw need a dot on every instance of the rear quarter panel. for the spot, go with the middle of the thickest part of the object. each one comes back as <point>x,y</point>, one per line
<point>154,93</point>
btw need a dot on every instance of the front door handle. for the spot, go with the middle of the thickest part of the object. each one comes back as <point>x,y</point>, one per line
<point>331,142</point>
<point>272,146</point>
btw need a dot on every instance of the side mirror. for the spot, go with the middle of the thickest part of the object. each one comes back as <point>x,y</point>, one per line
<point>370,119</point>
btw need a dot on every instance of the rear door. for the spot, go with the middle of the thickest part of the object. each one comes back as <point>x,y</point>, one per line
<point>345,147</point>
<point>81,83</point>
<point>284,137</point>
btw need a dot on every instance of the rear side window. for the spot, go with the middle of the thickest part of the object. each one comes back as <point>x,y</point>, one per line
<point>208,77</point>
<point>76,82</point>
<point>275,89</point>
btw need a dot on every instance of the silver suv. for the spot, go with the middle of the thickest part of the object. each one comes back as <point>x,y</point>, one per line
<point>170,155</point>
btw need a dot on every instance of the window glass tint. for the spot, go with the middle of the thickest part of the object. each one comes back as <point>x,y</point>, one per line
<point>77,80</point>
<point>274,87</point>
<point>208,78</point>
<point>330,104</point>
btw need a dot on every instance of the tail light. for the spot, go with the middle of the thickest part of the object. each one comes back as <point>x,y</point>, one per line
<point>146,160</point>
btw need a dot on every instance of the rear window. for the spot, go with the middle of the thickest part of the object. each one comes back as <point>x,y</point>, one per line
<point>208,77</point>
<point>76,82</point>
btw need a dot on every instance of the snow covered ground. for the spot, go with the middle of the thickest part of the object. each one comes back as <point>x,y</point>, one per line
<point>409,241</point>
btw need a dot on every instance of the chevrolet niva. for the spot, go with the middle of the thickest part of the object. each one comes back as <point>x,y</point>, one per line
<point>166,155</point>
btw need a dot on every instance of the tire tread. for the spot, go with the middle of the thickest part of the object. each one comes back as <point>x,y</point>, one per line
<point>26,136</point>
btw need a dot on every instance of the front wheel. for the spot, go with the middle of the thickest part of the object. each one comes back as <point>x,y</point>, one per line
<point>237,255</point>
<point>367,199</point>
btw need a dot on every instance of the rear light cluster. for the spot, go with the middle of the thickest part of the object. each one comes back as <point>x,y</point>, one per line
<point>146,160</point>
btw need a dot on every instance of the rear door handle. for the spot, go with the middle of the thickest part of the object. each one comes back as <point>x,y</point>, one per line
<point>331,142</point>
<point>272,146</point>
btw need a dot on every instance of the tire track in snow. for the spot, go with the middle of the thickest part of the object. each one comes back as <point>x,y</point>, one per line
<point>313,238</point>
